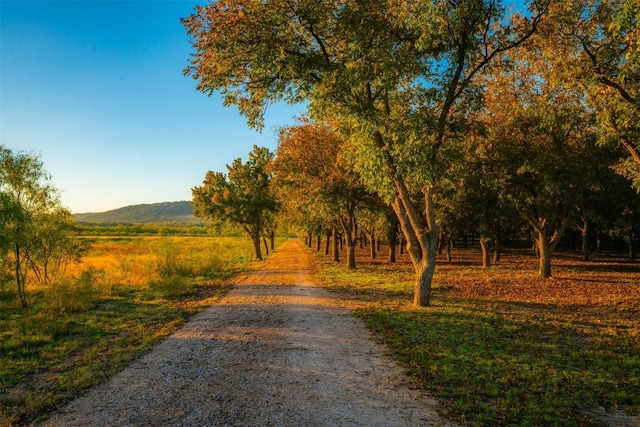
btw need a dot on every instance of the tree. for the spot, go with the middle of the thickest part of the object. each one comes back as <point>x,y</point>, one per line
<point>595,45</point>
<point>319,179</point>
<point>242,196</point>
<point>542,138</point>
<point>29,202</point>
<point>396,76</point>
<point>53,247</point>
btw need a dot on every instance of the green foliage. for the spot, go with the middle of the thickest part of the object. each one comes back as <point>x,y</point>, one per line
<point>593,44</point>
<point>34,225</point>
<point>72,295</point>
<point>242,197</point>
<point>146,229</point>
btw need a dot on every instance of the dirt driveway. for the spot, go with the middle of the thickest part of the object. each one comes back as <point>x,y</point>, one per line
<point>277,351</point>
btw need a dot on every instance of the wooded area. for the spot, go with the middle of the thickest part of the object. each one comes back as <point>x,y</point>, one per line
<point>445,119</point>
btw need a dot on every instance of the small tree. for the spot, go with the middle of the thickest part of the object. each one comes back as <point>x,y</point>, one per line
<point>53,247</point>
<point>29,206</point>
<point>242,196</point>
<point>320,179</point>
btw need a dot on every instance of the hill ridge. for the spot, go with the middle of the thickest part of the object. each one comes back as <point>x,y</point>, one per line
<point>181,212</point>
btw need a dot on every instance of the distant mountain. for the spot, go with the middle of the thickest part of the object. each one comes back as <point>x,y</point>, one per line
<point>147,213</point>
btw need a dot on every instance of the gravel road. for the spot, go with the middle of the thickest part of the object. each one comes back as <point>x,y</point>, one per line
<point>278,350</point>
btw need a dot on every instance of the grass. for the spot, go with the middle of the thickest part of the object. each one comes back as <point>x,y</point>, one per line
<point>125,296</point>
<point>499,347</point>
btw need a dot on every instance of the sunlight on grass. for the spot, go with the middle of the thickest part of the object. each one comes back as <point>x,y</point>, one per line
<point>126,295</point>
<point>500,347</point>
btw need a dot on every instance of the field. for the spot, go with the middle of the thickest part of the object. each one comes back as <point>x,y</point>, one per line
<point>497,346</point>
<point>127,294</point>
<point>501,347</point>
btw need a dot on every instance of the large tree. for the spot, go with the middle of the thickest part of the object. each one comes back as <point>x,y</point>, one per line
<point>540,139</point>
<point>242,196</point>
<point>396,73</point>
<point>595,45</point>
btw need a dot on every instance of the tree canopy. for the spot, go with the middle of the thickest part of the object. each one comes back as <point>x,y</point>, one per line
<point>242,196</point>
<point>398,77</point>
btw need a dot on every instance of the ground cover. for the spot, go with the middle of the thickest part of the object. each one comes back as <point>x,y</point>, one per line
<point>499,346</point>
<point>126,295</point>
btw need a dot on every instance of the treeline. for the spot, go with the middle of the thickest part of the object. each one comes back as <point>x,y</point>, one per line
<point>142,229</point>
<point>436,118</point>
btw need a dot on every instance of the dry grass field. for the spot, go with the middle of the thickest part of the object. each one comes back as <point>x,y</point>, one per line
<point>128,293</point>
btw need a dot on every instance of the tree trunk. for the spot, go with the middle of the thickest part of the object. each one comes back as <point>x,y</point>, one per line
<point>336,245</point>
<point>584,231</point>
<point>327,242</point>
<point>351,233</point>
<point>486,255</point>
<point>544,253</point>
<point>422,287</point>
<point>421,233</point>
<point>351,255</point>
<point>496,249</point>
<point>393,241</point>
<point>272,237</point>
<point>20,277</point>
<point>318,245</point>
<point>256,245</point>
<point>266,245</point>
<point>373,246</point>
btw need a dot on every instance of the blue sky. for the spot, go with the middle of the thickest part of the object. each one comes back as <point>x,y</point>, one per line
<point>96,88</point>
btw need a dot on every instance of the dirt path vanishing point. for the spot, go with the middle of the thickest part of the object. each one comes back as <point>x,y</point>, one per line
<point>278,350</point>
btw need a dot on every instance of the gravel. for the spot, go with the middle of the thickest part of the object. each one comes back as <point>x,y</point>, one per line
<point>278,350</point>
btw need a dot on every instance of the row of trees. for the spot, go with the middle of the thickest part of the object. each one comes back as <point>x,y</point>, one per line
<point>510,106</point>
<point>36,232</point>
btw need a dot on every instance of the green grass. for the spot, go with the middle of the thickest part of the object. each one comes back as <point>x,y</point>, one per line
<point>78,333</point>
<point>496,369</point>
<point>493,362</point>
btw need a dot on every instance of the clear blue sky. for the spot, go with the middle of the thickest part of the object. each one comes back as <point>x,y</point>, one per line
<point>96,88</point>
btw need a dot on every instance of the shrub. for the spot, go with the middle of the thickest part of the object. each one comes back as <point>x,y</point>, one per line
<point>74,295</point>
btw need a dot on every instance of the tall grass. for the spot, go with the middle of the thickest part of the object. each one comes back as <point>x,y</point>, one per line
<point>125,295</point>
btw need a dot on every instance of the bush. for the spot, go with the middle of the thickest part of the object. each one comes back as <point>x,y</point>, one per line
<point>74,295</point>
<point>170,262</point>
<point>172,287</point>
